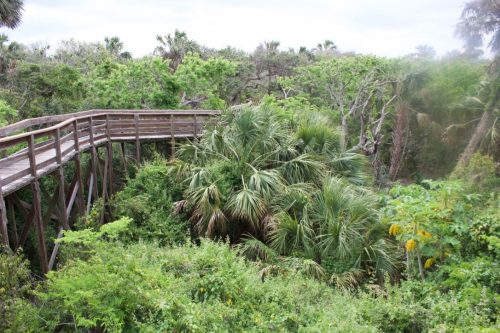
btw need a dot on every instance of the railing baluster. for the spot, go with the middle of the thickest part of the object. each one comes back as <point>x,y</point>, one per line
<point>137,142</point>
<point>172,136</point>
<point>195,126</point>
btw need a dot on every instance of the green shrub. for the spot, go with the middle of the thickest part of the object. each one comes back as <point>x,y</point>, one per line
<point>479,174</point>
<point>143,287</point>
<point>416,306</point>
<point>15,290</point>
<point>148,200</point>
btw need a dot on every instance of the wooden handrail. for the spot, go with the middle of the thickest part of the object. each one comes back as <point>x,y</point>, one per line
<point>46,148</point>
<point>84,115</point>
<point>36,153</point>
<point>23,124</point>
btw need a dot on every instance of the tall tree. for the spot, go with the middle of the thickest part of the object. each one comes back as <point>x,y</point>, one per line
<point>480,20</point>
<point>10,13</point>
<point>175,47</point>
<point>113,44</point>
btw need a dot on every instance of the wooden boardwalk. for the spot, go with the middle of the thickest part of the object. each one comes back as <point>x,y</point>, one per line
<point>27,154</point>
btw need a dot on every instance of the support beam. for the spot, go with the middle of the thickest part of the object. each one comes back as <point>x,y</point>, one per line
<point>105,197</point>
<point>89,198</point>
<point>110,155</point>
<point>172,137</point>
<point>71,201</point>
<point>78,170</point>
<point>55,250</point>
<point>51,205</point>
<point>123,154</point>
<point>37,207</point>
<point>12,218</point>
<point>28,218</point>
<point>110,167</point>
<point>3,219</point>
<point>94,161</point>
<point>63,218</point>
<point>137,141</point>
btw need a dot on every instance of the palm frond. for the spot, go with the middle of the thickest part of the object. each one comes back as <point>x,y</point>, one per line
<point>254,249</point>
<point>302,169</point>
<point>207,213</point>
<point>265,182</point>
<point>348,279</point>
<point>247,205</point>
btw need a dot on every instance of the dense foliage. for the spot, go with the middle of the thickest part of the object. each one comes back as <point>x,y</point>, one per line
<point>306,206</point>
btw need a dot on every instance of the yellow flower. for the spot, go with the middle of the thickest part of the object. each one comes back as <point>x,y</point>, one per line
<point>410,245</point>
<point>424,234</point>
<point>394,229</point>
<point>202,290</point>
<point>429,262</point>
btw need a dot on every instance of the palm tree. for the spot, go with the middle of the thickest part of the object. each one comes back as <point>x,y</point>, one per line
<point>10,13</point>
<point>113,44</point>
<point>338,229</point>
<point>175,47</point>
<point>481,18</point>
<point>286,188</point>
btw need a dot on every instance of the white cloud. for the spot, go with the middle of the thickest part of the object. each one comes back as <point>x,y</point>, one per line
<point>388,28</point>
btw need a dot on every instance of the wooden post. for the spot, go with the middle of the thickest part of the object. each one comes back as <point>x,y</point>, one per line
<point>63,218</point>
<point>28,217</point>
<point>3,218</point>
<point>15,237</point>
<point>37,206</point>
<point>104,189</point>
<point>110,156</point>
<point>89,198</point>
<point>124,157</point>
<point>94,161</point>
<point>172,137</point>
<point>195,120</point>
<point>137,142</point>
<point>78,170</point>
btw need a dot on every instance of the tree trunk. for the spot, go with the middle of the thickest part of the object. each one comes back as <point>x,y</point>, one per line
<point>344,133</point>
<point>481,130</point>
<point>399,136</point>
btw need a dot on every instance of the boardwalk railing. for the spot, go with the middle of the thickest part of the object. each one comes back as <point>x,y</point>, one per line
<point>31,154</point>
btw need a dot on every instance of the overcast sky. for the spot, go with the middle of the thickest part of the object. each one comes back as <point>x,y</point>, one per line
<point>382,27</point>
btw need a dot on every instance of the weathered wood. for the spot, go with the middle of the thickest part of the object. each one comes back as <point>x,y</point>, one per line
<point>24,124</point>
<point>104,189</point>
<point>12,218</point>
<point>172,137</point>
<point>89,198</point>
<point>55,250</point>
<point>3,218</point>
<point>27,217</point>
<point>37,207</point>
<point>109,157</point>
<point>123,154</point>
<point>78,169</point>
<point>72,199</point>
<point>63,138</point>
<point>195,121</point>
<point>51,206</point>
<point>93,153</point>
<point>63,218</point>
<point>137,142</point>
